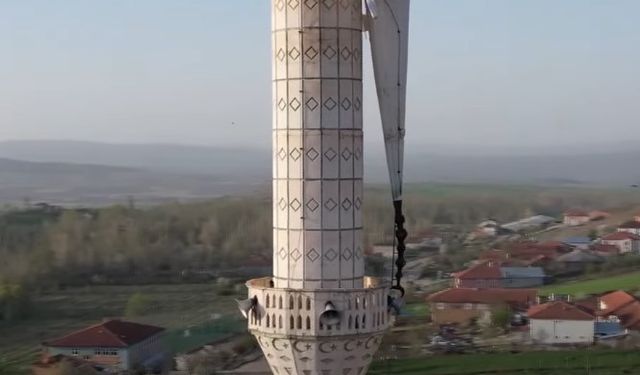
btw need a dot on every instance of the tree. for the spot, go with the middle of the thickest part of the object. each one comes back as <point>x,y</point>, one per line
<point>593,234</point>
<point>138,305</point>
<point>7,368</point>
<point>14,302</point>
<point>500,317</point>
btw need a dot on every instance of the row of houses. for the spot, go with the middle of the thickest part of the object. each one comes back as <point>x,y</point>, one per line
<point>111,346</point>
<point>596,317</point>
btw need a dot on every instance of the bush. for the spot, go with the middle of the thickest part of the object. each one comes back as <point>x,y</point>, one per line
<point>138,305</point>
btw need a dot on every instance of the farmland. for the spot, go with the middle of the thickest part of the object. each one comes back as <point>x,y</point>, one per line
<point>538,363</point>
<point>197,308</point>
<point>628,281</point>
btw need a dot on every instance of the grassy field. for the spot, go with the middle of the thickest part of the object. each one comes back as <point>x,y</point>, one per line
<point>629,281</point>
<point>534,363</point>
<point>194,307</point>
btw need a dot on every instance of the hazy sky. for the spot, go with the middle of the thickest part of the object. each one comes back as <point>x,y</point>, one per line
<point>487,72</point>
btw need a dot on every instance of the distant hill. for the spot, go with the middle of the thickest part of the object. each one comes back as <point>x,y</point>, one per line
<point>184,171</point>
<point>217,161</point>
<point>66,183</point>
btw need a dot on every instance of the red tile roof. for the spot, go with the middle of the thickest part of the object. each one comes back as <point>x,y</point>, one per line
<point>615,300</point>
<point>605,248</point>
<point>559,310</point>
<point>109,334</point>
<point>620,236</point>
<point>522,297</point>
<point>633,224</point>
<point>485,270</point>
<point>495,254</point>
<point>576,212</point>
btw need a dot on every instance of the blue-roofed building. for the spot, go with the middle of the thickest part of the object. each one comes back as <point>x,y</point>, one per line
<point>582,243</point>
<point>522,277</point>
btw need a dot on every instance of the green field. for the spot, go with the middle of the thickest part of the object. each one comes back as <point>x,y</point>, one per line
<point>582,362</point>
<point>628,281</point>
<point>195,308</point>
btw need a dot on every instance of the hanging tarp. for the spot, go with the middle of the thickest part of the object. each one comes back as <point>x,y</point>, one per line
<point>388,26</point>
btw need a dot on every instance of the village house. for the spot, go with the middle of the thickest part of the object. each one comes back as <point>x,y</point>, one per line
<point>605,250</point>
<point>620,307</point>
<point>578,242</point>
<point>632,226</point>
<point>112,344</point>
<point>62,365</point>
<point>578,260</point>
<point>626,242</point>
<point>575,217</point>
<point>559,322</point>
<point>464,306</point>
<point>491,274</point>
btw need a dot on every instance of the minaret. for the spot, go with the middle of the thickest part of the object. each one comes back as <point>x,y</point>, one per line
<point>318,314</point>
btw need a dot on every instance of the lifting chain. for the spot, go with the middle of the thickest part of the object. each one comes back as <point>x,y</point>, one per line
<point>400,235</point>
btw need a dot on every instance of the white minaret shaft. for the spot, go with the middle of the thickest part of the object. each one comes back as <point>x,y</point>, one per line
<point>319,314</point>
<point>317,144</point>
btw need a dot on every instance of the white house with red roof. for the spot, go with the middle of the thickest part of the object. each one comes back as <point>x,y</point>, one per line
<point>465,305</point>
<point>626,242</point>
<point>632,226</point>
<point>559,322</point>
<point>576,216</point>
<point>113,344</point>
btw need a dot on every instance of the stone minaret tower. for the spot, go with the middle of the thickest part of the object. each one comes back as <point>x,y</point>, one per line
<point>318,314</point>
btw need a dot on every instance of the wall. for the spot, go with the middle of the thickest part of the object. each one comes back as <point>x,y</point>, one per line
<point>575,221</point>
<point>561,331</point>
<point>89,354</point>
<point>141,352</point>
<point>460,313</point>
<point>523,282</point>
<point>630,230</point>
<point>478,283</point>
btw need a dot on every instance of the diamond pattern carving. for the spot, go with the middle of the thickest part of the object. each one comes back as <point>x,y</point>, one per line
<point>280,5</point>
<point>282,204</point>
<point>282,253</point>
<point>358,153</point>
<point>311,3</point>
<point>329,53</point>
<point>346,204</point>
<point>311,53</point>
<point>346,104</point>
<point>330,154</point>
<point>294,53</point>
<point>295,154</point>
<point>357,104</point>
<point>330,104</point>
<point>282,154</point>
<point>296,255</point>
<point>281,55</point>
<point>329,3</point>
<point>345,4</point>
<point>313,205</point>
<point>347,254</point>
<point>330,255</point>
<point>330,204</point>
<point>359,253</point>
<point>358,203</point>
<point>346,154</point>
<point>312,154</point>
<point>295,204</point>
<point>295,104</point>
<point>312,104</point>
<point>313,255</point>
<point>345,53</point>
<point>356,54</point>
<point>282,104</point>
<point>293,4</point>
